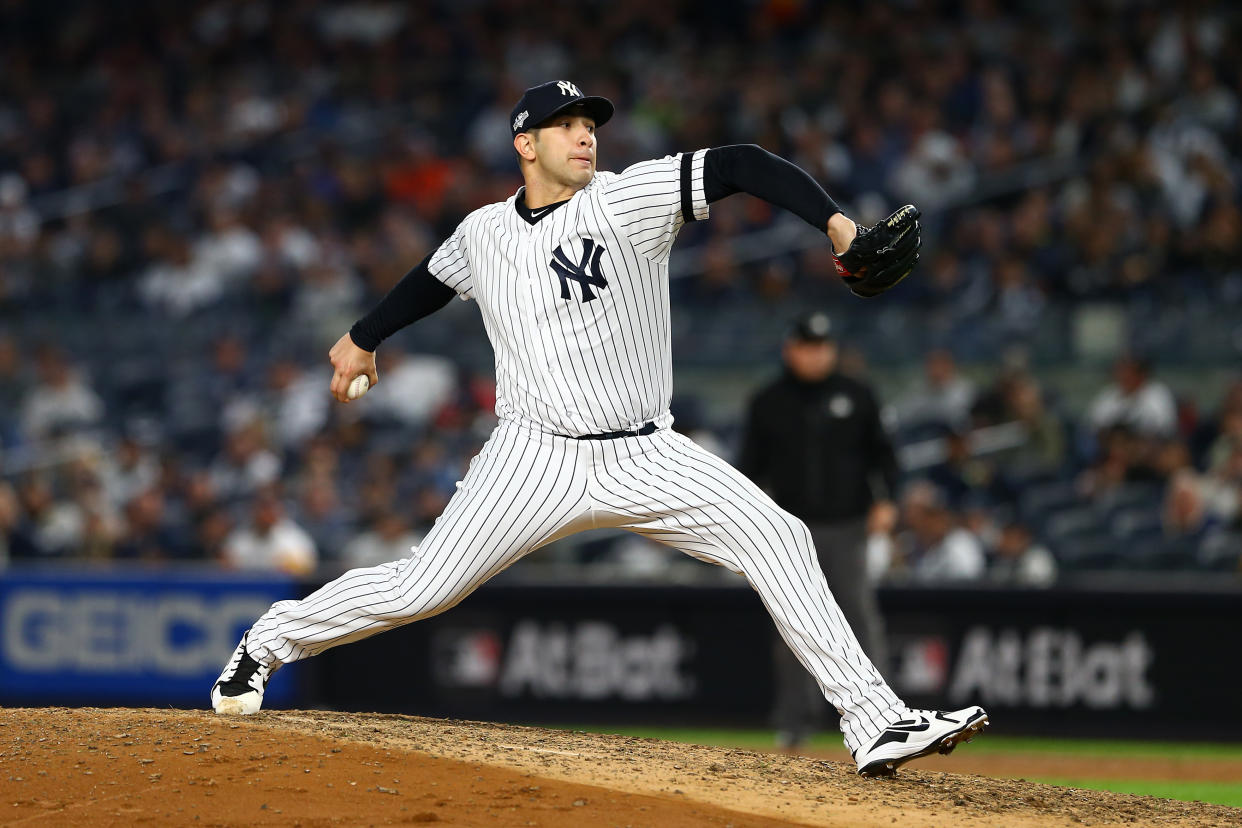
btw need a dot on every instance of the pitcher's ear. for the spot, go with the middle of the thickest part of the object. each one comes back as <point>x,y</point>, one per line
<point>524,143</point>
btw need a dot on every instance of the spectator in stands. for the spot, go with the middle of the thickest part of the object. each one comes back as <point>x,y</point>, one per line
<point>294,402</point>
<point>964,477</point>
<point>991,405</point>
<point>936,548</point>
<point>1187,517</point>
<point>948,289</point>
<point>1165,459</point>
<point>1044,449</point>
<point>389,538</point>
<point>148,534</point>
<point>1226,440</point>
<point>19,224</point>
<point>944,398</point>
<point>323,290</point>
<point>131,468</point>
<point>228,375</point>
<point>177,282</point>
<point>100,532</point>
<point>979,519</point>
<point>197,494</point>
<point>50,526</point>
<point>1017,303</point>
<point>199,399</point>
<point>270,540</point>
<point>321,458</point>
<point>428,503</point>
<point>1119,451</point>
<point>101,521</point>
<point>434,376</point>
<point>691,421</point>
<point>324,517</point>
<point>377,489</point>
<point>230,252</point>
<point>12,389</point>
<point>936,171</point>
<point>60,401</point>
<point>210,532</point>
<point>14,544</point>
<point>246,464</point>
<point>1033,235</point>
<point>1222,490</point>
<point>1019,561</point>
<point>1135,400</point>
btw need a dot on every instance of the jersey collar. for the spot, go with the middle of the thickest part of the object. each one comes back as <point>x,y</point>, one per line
<point>534,216</point>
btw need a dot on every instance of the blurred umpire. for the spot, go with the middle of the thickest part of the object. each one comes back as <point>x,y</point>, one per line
<point>815,443</point>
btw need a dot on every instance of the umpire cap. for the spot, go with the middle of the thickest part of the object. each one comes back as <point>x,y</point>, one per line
<point>815,326</point>
<point>547,99</point>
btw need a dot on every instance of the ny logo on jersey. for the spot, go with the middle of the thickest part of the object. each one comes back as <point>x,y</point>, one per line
<point>566,269</point>
<point>568,88</point>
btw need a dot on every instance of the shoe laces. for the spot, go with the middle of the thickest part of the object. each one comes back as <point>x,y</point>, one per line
<point>244,675</point>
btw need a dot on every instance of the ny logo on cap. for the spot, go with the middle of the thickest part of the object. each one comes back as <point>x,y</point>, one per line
<point>566,269</point>
<point>568,88</point>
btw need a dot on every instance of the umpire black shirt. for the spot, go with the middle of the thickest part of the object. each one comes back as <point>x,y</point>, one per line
<point>819,449</point>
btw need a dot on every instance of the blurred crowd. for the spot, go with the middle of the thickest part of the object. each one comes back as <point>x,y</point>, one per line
<point>283,478</point>
<point>276,167</point>
<point>1017,489</point>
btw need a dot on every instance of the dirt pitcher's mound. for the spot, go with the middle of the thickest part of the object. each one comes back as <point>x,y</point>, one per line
<point>162,767</point>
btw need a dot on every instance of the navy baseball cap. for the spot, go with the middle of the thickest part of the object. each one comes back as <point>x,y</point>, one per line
<point>815,326</point>
<point>547,99</point>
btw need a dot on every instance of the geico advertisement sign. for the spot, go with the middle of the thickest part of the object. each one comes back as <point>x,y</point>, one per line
<point>115,631</point>
<point>1048,667</point>
<point>581,661</point>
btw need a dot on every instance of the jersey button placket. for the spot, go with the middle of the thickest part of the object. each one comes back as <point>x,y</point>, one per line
<point>532,250</point>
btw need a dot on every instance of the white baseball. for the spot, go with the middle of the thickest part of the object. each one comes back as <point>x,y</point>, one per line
<point>358,386</point>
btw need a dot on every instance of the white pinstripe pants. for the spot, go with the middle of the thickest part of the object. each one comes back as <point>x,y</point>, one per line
<point>526,488</point>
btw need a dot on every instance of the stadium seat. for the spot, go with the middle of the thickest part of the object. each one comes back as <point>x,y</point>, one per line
<point>1025,479</point>
<point>1135,524</point>
<point>1221,552</point>
<point>1089,553</point>
<point>1038,502</point>
<point>1162,555</point>
<point>1071,524</point>
<point>1130,497</point>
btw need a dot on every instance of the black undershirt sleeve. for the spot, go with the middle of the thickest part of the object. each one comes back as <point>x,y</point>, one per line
<point>747,168</point>
<point>418,294</point>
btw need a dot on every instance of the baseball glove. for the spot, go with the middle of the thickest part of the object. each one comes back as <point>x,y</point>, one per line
<point>883,255</point>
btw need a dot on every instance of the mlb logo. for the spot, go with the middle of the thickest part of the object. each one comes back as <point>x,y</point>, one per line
<point>922,666</point>
<point>466,659</point>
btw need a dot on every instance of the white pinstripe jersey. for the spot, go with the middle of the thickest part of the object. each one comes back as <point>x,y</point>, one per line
<point>583,347</point>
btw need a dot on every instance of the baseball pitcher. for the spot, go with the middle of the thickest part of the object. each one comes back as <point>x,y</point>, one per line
<point>571,277</point>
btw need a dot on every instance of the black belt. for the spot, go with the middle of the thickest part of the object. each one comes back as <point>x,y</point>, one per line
<point>646,429</point>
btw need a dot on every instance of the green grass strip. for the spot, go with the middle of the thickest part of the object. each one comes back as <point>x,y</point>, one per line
<point>1107,748</point>
<point>988,743</point>
<point>1218,793</point>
